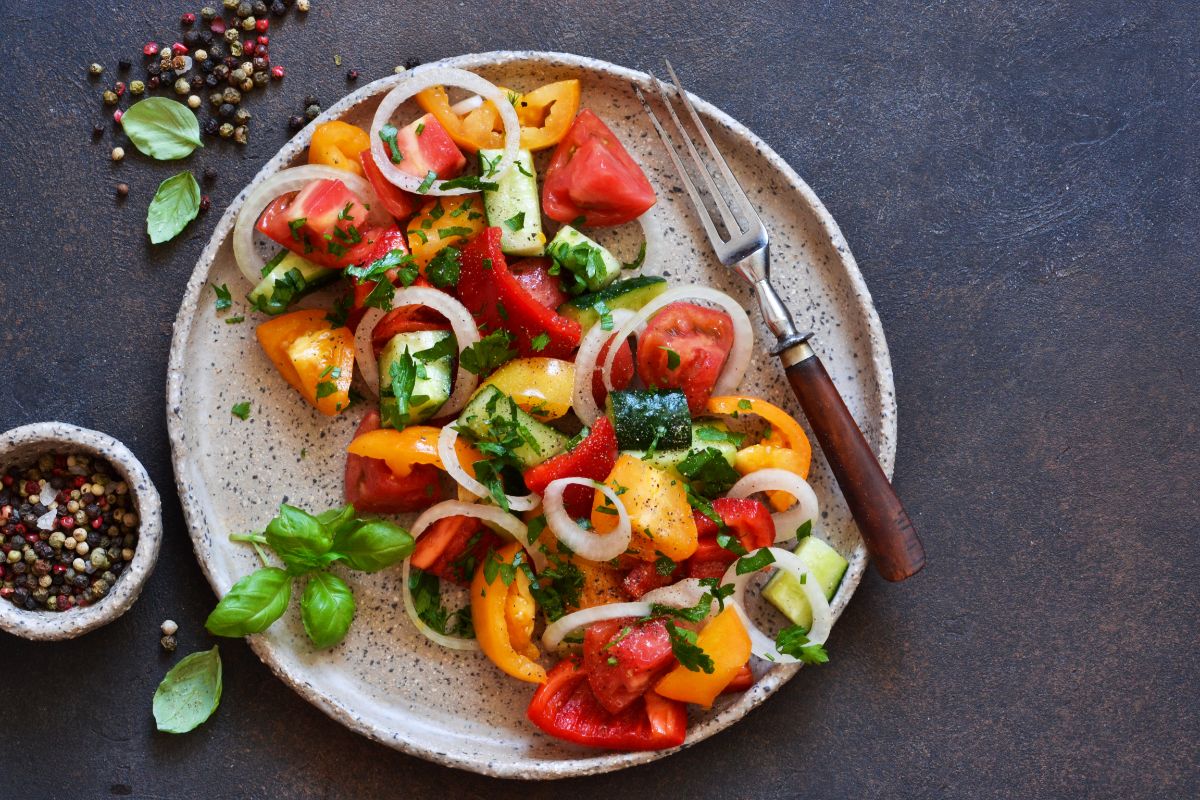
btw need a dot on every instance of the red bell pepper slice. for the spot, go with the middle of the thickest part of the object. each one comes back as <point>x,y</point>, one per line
<point>593,458</point>
<point>747,519</point>
<point>565,707</point>
<point>497,300</point>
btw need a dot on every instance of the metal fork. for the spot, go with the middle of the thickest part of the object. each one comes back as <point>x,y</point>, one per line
<point>888,532</point>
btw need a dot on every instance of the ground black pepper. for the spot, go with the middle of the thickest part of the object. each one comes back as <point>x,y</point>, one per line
<point>67,531</point>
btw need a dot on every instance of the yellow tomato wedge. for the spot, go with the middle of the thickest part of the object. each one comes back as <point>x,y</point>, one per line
<point>400,449</point>
<point>658,510</point>
<point>728,645</point>
<point>541,387</point>
<point>318,361</point>
<point>444,221</point>
<point>545,115</point>
<point>338,144</point>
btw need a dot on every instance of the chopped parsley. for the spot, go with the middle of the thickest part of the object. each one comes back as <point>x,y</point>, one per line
<point>241,410</point>
<point>710,434</point>
<point>340,313</point>
<point>430,177</point>
<point>540,342</point>
<point>521,169</point>
<point>325,388</point>
<point>637,262</point>
<point>471,182</point>
<point>224,298</point>
<point>755,562</point>
<point>488,166</point>
<point>516,222</point>
<point>663,564</point>
<point>442,348</point>
<point>426,594</point>
<point>295,225</point>
<point>445,267</point>
<point>708,471</point>
<point>488,353</point>
<point>672,358</point>
<point>805,529</point>
<point>388,134</point>
<point>234,320</point>
<point>286,288</point>
<point>454,230</point>
<point>793,641</point>
<point>404,377</point>
<point>420,128</point>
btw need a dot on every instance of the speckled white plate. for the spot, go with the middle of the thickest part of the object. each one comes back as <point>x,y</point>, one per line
<point>385,680</point>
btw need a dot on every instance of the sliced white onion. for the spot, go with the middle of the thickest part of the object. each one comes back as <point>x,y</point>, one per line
<point>587,544</point>
<point>46,521</point>
<point>557,631</point>
<point>423,78</point>
<point>282,182</point>
<point>583,401</point>
<point>743,333</point>
<point>682,594</point>
<point>449,456</point>
<point>762,645</point>
<point>461,321</point>
<point>772,479</point>
<point>467,105</point>
<point>454,508</point>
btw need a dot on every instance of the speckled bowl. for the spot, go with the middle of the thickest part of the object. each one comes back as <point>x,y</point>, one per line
<point>25,444</point>
<point>385,680</point>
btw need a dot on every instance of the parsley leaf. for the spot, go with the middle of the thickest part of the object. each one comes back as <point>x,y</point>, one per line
<point>234,320</point>
<point>663,564</point>
<point>718,591</point>
<point>241,410</point>
<point>540,342</point>
<point>444,270</point>
<point>793,641</point>
<point>672,357</point>
<point>442,348</point>
<point>430,177</point>
<point>515,222</point>
<point>404,377</point>
<point>426,594</point>
<point>488,353</point>
<point>755,562</point>
<point>683,645</point>
<point>454,230</point>
<point>471,182</point>
<point>388,134</point>
<point>805,529</point>
<point>224,298</point>
<point>708,471</point>
<point>637,262</point>
<point>340,313</point>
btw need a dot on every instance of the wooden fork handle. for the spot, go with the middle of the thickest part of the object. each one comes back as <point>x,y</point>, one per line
<point>882,520</point>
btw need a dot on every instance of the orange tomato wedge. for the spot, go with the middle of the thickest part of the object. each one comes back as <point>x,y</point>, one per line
<point>318,361</point>
<point>338,144</point>
<point>413,445</point>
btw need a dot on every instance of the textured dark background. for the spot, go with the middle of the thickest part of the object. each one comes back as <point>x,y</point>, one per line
<point>1018,182</point>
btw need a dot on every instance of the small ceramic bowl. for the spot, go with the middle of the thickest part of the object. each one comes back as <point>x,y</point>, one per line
<point>24,445</point>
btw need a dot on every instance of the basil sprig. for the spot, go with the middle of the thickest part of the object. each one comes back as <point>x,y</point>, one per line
<point>175,204</point>
<point>162,129</point>
<point>189,693</point>
<point>308,545</point>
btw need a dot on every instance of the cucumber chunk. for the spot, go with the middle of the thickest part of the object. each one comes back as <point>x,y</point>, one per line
<point>287,277</point>
<point>591,262</point>
<point>431,388</point>
<point>705,434</point>
<point>785,592</point>
<point>631,294</point>
<point>515,206</point>
<point>650,419</point>
<point>491,413</point>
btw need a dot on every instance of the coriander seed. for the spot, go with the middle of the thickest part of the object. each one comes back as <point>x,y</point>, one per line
<point>137,87</point>
<point>95,69</point>
<point>193,101</point>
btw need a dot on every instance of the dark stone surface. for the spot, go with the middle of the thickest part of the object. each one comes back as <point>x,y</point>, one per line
<point>1018,182</point>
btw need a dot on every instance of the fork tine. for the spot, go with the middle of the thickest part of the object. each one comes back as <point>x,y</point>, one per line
<point>733,227</point>
<point>697,201</point>
<point>734,187</point>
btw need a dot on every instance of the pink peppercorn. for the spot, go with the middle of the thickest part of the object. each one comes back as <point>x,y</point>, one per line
<point>188,19</point>
<point>277,72</point>
<point>150,49</point>
<point>263,41</point>
<point>31,487</point>
<point>217,26</point>
<point>179,49</point>
<point>262,25</point>
<point>117,115</point>
<point>248,47</point>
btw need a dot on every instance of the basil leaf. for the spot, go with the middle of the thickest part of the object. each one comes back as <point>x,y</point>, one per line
<point>253,603</point>
<point>162,129</point>
<point>299,538</point>
<point>338,520</point>
<point>373,545</point>
<point>189,692</point>
<point>175,204</point>
<point>327,608</point>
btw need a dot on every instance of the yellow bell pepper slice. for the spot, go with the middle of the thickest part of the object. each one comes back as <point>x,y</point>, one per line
<point>314,358</point>
<point>542,387</point>
<point>490,603</point>
<point>547,112</point>
<point>400,449</point>
<point>658,510</point>
<point>338,144</point>
<point>765,456</point>
<point>464,212</point>
<point>726,642</point>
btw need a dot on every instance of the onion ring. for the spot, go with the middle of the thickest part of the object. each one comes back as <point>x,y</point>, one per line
<point>772,479</point>
<point>465,332</point>
<point>418,80</point>
<point>282,182</point>
<point>587,544</point>
<point>454,468</point>
<point>743,333</point>
<point>583,401</point>
<point>760,644</point>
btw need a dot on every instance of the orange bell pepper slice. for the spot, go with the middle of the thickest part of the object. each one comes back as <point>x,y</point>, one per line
<point>413,445</point>
<point>785,446</point>
<point>728,645</point>
<point>338,144</point>
<point>490,613</point>
<point>764,456</point>
<point>545,115</point>
<point>318,361</point>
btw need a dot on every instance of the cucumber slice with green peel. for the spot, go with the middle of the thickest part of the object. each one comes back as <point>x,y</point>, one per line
<point>515,206</point>
<point>825,565</point>
<point>591,262</point>
<point>645,420</point>
<point>705,433</point>
<point>492,415</point>
<point>286,278</point>
<point>630,294</point>
<point>431,387</point>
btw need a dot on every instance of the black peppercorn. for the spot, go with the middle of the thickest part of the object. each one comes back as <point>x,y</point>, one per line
<point>295,122</point>
<point>225,111</point>
<point>412,63</point>
<point>245,9</point>
<point>97,131</point>
<point>154,68</point>
<point>206,37</point>
<point>312,112</point>
<point>210,127</point>
<point>260,64</point>
<point>191,38</point>
<point>310,100</point>
<point>211,81</point>
<point>278,8</point>
<point>259,8</point>
<point>221,72</point>
<point>210,175</point>
<point>207,67</point>
<point>168,643</point>
<point>217,50</point>
<point>197,83</point>
<point>124,64</point>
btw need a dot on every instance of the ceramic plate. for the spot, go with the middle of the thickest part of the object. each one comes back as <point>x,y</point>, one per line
<point>385,680</point>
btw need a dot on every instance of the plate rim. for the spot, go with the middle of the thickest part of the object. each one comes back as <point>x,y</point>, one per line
<point>523,767</point>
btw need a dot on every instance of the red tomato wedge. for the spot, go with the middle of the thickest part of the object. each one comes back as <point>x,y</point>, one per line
<point>374,489</point>
<point>645,577</point>
<point>426,147</point>
<point>622,371</point>
<point>623,658</point>
<point>684,347</point>
<point>486,285</point>
<point>565,707</point>
<point>592,458</point>
<point>749,520</point>
<point>397,202</point>
<point>591,176</point>
<point>385,241</point>
<point>325,222</point>
<point>453,547</point>
<point>534,276</point>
